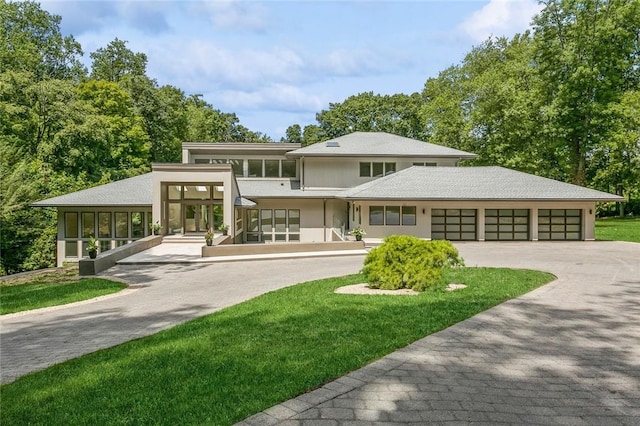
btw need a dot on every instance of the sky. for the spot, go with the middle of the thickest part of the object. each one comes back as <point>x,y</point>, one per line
<point>278,63</point>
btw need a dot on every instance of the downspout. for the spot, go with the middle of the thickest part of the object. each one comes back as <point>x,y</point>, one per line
<point>302,172</point>
<point>324,218</point>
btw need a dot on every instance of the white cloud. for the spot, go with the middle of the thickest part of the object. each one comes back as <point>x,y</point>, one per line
<point>500,18</point>
<point>275,97</point>
<point>234,14</point>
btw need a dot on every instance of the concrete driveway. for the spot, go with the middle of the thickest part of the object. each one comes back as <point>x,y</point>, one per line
<point>567,353</point>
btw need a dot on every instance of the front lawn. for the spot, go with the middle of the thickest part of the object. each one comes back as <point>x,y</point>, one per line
<point>618,229</point>
<point>224,367</point>
<point>50,289</point>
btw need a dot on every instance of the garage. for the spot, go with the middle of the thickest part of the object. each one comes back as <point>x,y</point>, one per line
<point>506,224</point>
<point>454,224</point>
<point>560,224</point>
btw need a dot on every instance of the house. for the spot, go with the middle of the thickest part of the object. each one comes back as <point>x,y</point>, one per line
<point>281,192</point>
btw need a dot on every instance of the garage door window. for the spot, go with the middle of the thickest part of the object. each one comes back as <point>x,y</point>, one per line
<point>506,224</point>
<point>559,224</point>
<point>453,224</point>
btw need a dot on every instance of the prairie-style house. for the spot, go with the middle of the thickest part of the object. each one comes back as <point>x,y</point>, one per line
<point>282,192</point>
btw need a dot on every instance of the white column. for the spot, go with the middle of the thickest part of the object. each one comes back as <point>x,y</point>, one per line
<point>533,224</point>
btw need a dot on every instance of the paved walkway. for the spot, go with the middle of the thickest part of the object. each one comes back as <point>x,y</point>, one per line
<point>567,353</point>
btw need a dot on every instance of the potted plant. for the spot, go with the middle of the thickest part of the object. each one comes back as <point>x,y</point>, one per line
<point>224,228</point>
<point>208,237</point>
<point>92,247</point>
<point>156,228</point>
<point>358,233</point>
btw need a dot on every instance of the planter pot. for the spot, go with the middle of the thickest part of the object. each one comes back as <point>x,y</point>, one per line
<point>209,243</point>
<point>156,232</point>
<point>358,237</point>
<point>225,232</point>
<point>93,254</point>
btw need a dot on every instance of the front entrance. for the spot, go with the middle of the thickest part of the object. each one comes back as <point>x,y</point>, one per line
<point>197,218</point>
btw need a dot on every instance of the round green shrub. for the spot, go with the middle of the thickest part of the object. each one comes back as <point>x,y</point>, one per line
<point>403,261</point>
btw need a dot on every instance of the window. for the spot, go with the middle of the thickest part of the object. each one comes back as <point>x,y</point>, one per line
<point>426,164</point>
<point>376,215</point>
<point>197,192</point>
<point>71,249</point>
<point>174,192</point>
<point>88,224</point>
<point>71,226</point>
<point>253,226</point>
<point>392,215</point>
<point>272,168</point>
<point>408,215</point>
<point>201,161</point>
<point>376,169</point>
<point>104,225</point>
<point>255,168</point>
<point>288,168</point>
<point>122,224</point>
<point>389,168</point>
<point>137,224</point>
<point>238,167</point>
<point>365,169</point>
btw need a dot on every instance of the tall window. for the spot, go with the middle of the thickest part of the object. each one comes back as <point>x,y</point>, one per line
<point>71,225</point>
<point>255,168</point>
<point>288,168</point>
<point>137,224</point>
<point>104,225</point>
<point>88,224</point>
<point>272,168</point>
<point>122,224</point>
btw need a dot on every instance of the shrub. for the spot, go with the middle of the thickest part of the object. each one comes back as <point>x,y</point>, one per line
<point>409,262</point>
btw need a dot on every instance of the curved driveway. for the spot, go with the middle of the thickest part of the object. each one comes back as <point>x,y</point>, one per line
<point>566,353</point>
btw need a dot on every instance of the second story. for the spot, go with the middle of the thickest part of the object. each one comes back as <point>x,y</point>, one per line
<point>339,163</point>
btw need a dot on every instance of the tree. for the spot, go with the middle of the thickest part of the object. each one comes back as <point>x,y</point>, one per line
<point>587,53</point>
<point>31,41</point>
<point>116,61</point>
<point>366,112</point>
<point>293,134</point>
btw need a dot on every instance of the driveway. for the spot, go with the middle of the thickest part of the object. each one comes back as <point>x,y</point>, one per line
<point>161,296</point>
<point>566,353</point>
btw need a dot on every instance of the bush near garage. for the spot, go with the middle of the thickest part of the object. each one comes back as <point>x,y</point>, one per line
<point>408,262</point>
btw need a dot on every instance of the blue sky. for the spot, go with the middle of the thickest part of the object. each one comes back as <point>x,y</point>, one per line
<point>277,63</point>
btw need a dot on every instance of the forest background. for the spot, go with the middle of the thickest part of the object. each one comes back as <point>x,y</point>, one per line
<point>561,100</point>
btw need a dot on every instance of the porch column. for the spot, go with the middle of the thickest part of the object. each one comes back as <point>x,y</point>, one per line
<point>480,223</point>
<point>533,221</point>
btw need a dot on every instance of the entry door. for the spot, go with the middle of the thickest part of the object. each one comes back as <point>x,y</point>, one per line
<point>197,217</point>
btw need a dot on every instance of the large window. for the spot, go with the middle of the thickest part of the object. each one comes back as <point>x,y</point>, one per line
<point>238,167</point>
<point>71,225</point>
<point>88,224</point>
<point>392,215</point>
<point>288,168</point>
<point>122,224</point>
<point>104,225</point>
<point>375,169</point>
<point>137,224</point>
<point>272,168</point>
<point>273,225</point>
<point>255,168</point>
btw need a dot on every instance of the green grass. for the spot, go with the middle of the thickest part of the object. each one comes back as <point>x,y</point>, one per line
<point>618,229</point>
<point>224,367</point>
<point>51,289</point>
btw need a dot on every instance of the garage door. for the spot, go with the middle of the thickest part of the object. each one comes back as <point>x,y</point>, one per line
<point>453,224</point>
<point>506,224</point>
<point>560,224</point>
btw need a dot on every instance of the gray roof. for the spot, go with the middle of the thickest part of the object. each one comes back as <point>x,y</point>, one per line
<point>377,144</point>
<point>281,188</point>
<point>135,191</point>
<point>472,183</point>
<point>243,202</point>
